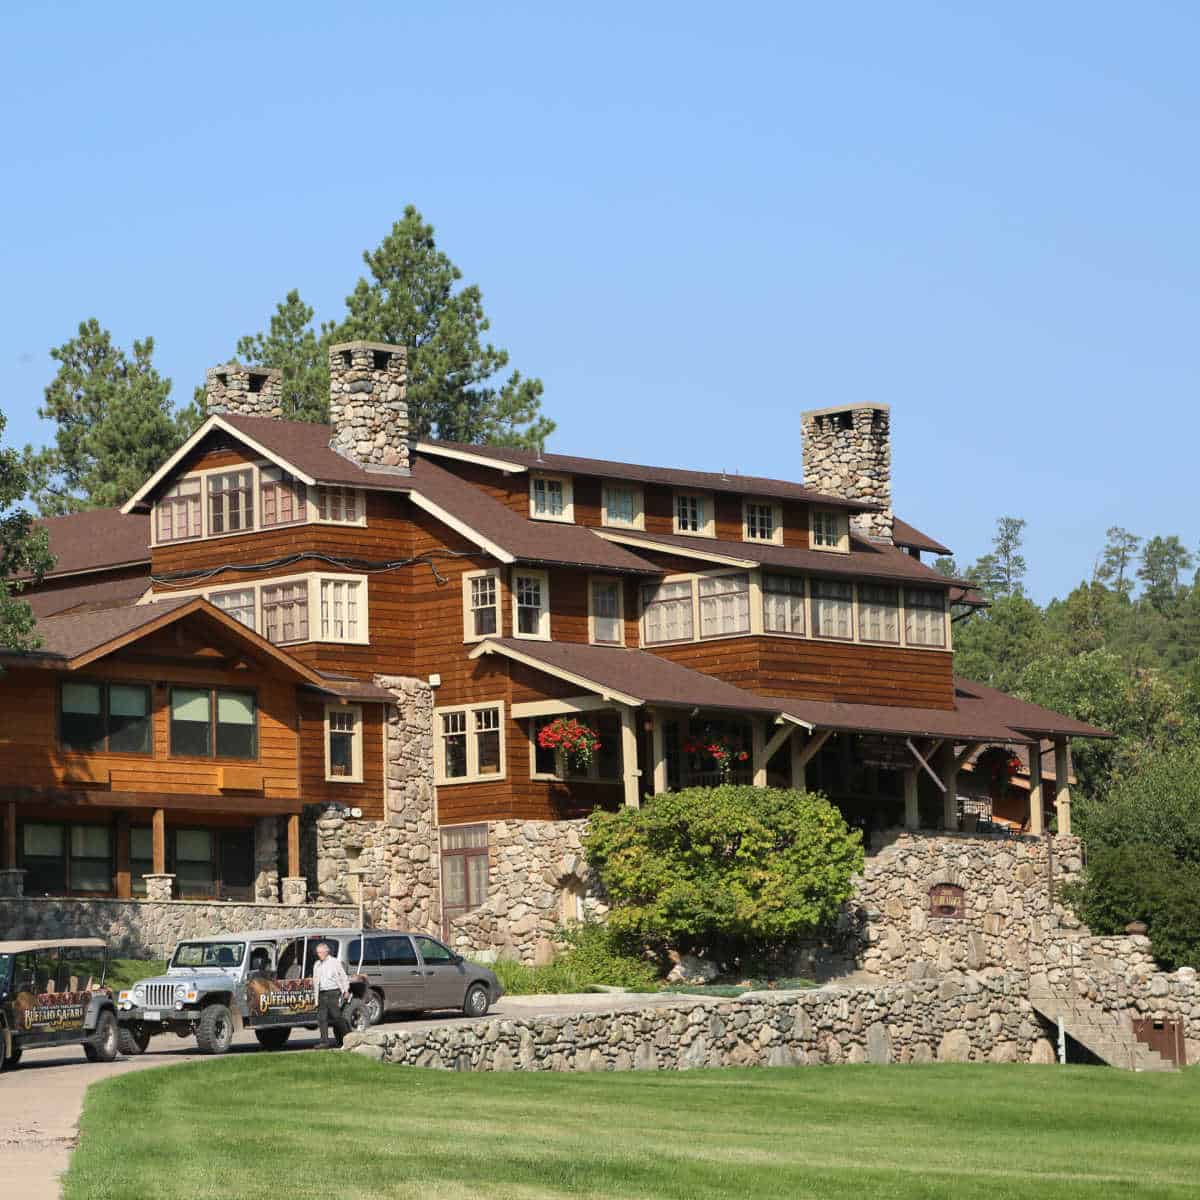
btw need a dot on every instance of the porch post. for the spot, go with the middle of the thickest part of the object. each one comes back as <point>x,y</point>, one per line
<point>912,810</point>
<point>1062,801</point>
<point>948,770</point>
<point>124,879</point>
<point>659,746</point>
<point>293,843</point>
<point>757,755</point>
<point>159,841</point>
<point>1037,803</point>
<point>10,836</point>
<point>629,757</point>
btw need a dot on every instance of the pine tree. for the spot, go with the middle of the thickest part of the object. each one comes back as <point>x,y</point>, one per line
<point>115,424</point>
<point>300,351</point>
<point>24,551</point>
<point>1163,558</point>
<point>1117,559</point>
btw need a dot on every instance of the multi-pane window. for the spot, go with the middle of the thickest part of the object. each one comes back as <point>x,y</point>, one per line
<point>483,605</point>
<point>761,522</point>
<point>340,505</point>
<point>285,611</point>
<point>339,610</point>
<point>464,870</point>
<point>549,497</point>
<point>833,609</point>
<point>532,606</point>
<point>237,603</point>
<point>622,505</point>
<point>343,747</point>
<point>668,611</point>
<point>195,869</point>
<point>213,722</point>
<point>105,716</point>
<point>607,622</point>
<point>141,857</point>
<point>878,613</point>
<point>691,513</point>
<point>826,529</point>
<point>724,605</point>
<point>64,860</point>
<point>783,603</point>
<point>282,497</point>
<point>231,501</point>
<point>471,743</point>
<point>924,617</point>
<point>178,512</point>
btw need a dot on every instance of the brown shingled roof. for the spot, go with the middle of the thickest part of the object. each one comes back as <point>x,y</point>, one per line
<point>92,590</point>
<point>69,635</point>
<point>1021,714</point>
<point>97,538</point>
<point>903,534</point>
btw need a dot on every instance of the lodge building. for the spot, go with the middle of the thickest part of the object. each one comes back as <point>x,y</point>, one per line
<point>310,663</point>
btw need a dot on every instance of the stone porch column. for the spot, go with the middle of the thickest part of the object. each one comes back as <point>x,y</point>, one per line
<point>12,882</point>
<point>295,890</point>
<point>159,886</point>
<point>266,860</point>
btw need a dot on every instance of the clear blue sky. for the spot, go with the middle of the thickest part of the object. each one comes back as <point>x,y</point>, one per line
<point>691,220</point>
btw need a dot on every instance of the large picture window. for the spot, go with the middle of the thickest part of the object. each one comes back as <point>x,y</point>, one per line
<point>213,723</point>
<point>66,859</point>
<point>724,605</point>
<point>924,617</point>
<point>667,609</point>
<point>231,502</point>
<point>833,609</point>
<point>471,743</point>
<point>783,603</point>
<point>96,717</point>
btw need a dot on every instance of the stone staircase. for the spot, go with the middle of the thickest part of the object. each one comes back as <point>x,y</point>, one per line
<point>1099,1031</point>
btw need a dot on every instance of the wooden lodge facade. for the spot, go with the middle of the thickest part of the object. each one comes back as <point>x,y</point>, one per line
<point>218,658</point>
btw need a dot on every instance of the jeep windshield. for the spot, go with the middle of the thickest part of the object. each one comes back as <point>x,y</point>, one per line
<point>221,955</point>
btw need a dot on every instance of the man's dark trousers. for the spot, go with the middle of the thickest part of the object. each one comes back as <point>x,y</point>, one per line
<point>329,1011</point>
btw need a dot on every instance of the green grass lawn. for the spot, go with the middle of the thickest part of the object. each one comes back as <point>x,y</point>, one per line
<point>125,972</point>
<point>333,1125</point>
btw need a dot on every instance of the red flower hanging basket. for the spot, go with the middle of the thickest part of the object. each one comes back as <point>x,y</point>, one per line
<point>575,741</point>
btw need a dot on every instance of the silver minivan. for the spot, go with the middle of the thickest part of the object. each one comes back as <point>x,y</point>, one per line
<point>412,972</point>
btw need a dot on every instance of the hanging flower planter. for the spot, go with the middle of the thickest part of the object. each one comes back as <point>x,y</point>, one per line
<point>998,765</point>
<point>722,751</point>
<point>575,741</point>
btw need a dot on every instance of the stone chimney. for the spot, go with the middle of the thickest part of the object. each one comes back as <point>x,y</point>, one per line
<point>368,383</point>
<point>244,391</point>
<point>848,453</point>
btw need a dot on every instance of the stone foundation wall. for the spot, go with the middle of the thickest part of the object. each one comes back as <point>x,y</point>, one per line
<point>149,929</point>
<point>536,870</point>
<point>1008,911</point>
<point>921,1021</point>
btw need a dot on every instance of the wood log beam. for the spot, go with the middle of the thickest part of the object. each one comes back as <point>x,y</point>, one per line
<point>293,846</point>
<point>158,837</point>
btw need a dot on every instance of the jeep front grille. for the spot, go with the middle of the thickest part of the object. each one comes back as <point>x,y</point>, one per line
<point>159,995</point>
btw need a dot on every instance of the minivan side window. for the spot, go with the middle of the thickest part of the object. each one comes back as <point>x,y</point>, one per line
<point>434,952</point>
<point>370,954</point>
<point>396,952</point>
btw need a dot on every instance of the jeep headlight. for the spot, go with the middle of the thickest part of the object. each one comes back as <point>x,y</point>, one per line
<point>139,993</point>
<point>180,991</point>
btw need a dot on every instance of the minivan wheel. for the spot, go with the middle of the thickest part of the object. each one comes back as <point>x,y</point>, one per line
<point>357,1017</point>
<point>102,1046</point>
<point>476,1001</point>
<point>373,1003</point>
<point>132,1040</point>
<point>214,1033</point>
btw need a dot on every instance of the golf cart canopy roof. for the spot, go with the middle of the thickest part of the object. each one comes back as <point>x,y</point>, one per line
<point>53,944</point>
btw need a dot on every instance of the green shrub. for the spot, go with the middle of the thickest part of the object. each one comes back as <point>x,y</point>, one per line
<point>728,872</point>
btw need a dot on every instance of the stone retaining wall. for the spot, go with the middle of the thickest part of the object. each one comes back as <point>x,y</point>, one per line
<point>922,1021</point>
<point>149,929</point>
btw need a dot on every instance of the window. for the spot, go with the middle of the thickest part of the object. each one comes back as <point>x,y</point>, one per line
<point>44,858</point>
<point>531,605</point>
<point>924,617</point>
<point>395,951</point>
<point>177,512</point>
<point>285,611</point>
<point>464,870</point>
<point>91,858</point>
<point>481,604</point>
<point>762,521</point>
<point>622,506</point>
<point>833,609</point>
<point>724,605</point>
<point>231,502</point>
<point>783,603</point>
<point>431,951</point>
<point>105,716</point>
<point>340,506</point>
<point>550,498</point>
<point>827,530</point>
<point>64,860</point>
<point>141,857</point>
<point>668,612</point>
<point>238,603</point>
<point>693,513</point>
<point>339,610</point>
<point>472,743</point>
<point>343,743</point>
<point>195,868</point>
<point>878,613</point>
<point>196,734</point>
<point>607,612</point>
<point>282,497</point>
<point>606,764</point>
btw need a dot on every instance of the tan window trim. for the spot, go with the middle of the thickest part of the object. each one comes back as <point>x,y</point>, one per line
<point>356,754</point>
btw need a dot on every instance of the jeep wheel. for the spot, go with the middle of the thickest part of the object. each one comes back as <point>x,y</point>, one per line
<point>356,1016</point>
<point>102,1045</point>
<point>214,1032</point>
<point>273,1039</point>
<point>7,1064</point>
<point>373,1003</point>
<point>476,1002</point>
<point>132,1040</point>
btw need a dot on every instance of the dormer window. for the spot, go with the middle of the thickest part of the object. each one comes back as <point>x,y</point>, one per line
<point>282,498</point>
<point>231,502</point>
<point>622,506</point>
<point>694,513</point>
<point>828,530</point>
<point>340,506</point>
<point>550,498</point>
<point>177,512</point>
<point>762,521</point>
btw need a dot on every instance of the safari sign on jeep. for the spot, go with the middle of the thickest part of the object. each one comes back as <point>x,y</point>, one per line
<point>52,993</point>
<point>214,986</point>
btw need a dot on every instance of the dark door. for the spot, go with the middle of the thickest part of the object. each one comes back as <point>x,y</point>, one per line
<point>237,864</point>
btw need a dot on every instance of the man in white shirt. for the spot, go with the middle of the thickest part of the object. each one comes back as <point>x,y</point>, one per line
<point>332,986</point>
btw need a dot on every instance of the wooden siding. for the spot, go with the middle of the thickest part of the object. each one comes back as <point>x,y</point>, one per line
<point>314,787</point>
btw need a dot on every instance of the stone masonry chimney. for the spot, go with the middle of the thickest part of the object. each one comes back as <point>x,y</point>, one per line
<point>244,391</point>
<point>368,409</point>
<point>848,453</point>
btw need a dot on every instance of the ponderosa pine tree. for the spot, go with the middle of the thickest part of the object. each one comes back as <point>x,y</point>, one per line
<point>24,551</point>
<point>115,424</point>
<point>300,351</point>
